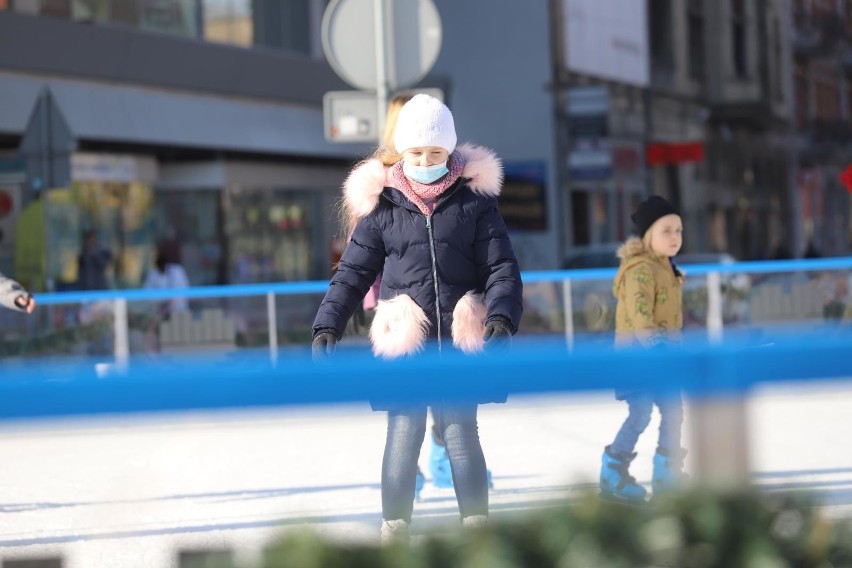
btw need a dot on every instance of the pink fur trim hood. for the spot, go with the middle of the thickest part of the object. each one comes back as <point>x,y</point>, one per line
<point>365,183</point>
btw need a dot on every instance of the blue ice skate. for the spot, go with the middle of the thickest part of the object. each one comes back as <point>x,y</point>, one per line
<point>668,470</point>
<point>419,482</point>
<point>439,467</point>
<point>616,482</point>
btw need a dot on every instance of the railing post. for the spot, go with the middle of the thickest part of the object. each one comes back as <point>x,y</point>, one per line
<point>121,336</point>
<point>569,313</point>
<point>272,317</point>
<point>720,421</point>
<point>715,322</point>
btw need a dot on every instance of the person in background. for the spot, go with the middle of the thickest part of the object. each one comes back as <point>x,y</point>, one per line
<point>649,313</point>
<point>426,218</point>
<point>92,263</point>
<point>167,273</point>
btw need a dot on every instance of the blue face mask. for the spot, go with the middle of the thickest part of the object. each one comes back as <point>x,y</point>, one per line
<point>425,174</point>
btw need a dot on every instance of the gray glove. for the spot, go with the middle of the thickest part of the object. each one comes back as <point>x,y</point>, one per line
<point>498,333</point>
<point>323,345</point>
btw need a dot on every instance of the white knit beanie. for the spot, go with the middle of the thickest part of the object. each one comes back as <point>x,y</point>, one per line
<point>424,121</point>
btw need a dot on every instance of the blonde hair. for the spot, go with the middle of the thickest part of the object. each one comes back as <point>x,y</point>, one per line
<point>646,241</point>
<point>387,152</point>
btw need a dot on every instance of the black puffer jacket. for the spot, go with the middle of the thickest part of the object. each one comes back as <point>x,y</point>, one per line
<point>443,276</point>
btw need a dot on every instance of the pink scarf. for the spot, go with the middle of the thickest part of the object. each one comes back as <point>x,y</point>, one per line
<point>419,193</point>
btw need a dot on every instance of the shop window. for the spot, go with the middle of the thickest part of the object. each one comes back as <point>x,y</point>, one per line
<point>523,201</point>
<point>119,214</point>
<point>269,234</point>
<point>194,220</point>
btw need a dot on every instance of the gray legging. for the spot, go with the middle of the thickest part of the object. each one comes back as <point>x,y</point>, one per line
<point>640,405</point>
<point>406,429</point>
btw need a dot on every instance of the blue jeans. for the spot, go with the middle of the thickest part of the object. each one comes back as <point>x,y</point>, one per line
<point>458,427</point>
<point>640,404</point>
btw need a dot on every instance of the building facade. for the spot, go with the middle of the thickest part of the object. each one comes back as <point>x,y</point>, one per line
<point>196,121</point>
<point>201,121</point>
<point>822,62</point>
<point>711,118</point>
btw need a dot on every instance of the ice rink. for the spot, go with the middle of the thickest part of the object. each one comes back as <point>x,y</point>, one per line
<point>130,491</point>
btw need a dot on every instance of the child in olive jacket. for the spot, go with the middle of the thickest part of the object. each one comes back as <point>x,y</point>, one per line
<point>649,313</point>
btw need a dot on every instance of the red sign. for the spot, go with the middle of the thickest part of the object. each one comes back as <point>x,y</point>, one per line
<point>846,178</point>
<point>672,153</point>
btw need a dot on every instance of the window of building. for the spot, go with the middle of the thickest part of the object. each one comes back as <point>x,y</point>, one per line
<point>284,25</point>
<point>172,16</point>
<point>660,21</point>
<point>777,61</point>
<point>800,80</point>
<point>52,8</point>
<point>847,15</point>
<point>801,14</point>
<point>824,7</point>
<point>739,32</point>
<point>229,21</point>
<point>292,25</point>
<point>827,98</point>
<point>695,26</point>
<point>848,95</point>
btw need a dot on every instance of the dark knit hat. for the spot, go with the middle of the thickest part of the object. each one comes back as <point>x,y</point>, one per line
<point>649,211</point>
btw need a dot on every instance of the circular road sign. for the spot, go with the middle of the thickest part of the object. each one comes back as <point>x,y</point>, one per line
<point>411,40</point>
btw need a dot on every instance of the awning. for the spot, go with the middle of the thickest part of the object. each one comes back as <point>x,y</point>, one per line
<point>113,113</point>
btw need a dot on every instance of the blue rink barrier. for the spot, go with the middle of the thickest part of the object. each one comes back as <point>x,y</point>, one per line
<point>533,365</point>
<point>529,277</point>
<point>552,305</point>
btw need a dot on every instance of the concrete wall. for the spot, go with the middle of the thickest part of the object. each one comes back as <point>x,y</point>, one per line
<point>495,64</point>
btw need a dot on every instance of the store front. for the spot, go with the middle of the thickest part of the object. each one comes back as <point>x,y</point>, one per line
<point>110,196</point>
<point>243,222</point>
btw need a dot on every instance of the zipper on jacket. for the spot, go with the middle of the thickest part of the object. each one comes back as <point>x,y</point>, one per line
<point>434,275</point>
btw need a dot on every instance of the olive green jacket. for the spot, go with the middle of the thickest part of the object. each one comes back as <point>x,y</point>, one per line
<point>650,297</point>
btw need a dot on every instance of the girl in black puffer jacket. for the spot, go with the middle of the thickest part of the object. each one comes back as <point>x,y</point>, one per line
<point>427,221</point>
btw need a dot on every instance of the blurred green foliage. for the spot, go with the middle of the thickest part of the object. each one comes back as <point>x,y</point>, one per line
<point>696,530</point>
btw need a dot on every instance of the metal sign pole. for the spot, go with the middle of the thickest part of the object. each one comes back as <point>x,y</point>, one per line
<point>381,67</point>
